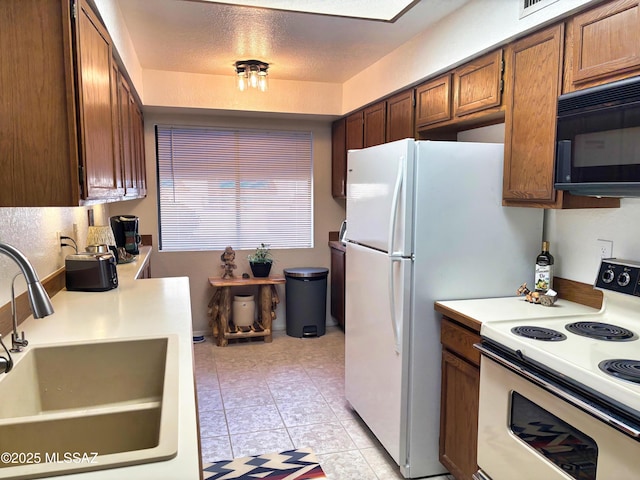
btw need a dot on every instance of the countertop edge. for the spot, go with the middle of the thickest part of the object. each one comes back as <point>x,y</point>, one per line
<point>459,317</point>
<point>337,245</point>
<point>145,307</point>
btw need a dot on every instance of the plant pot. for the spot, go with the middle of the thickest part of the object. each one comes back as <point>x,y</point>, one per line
<point>260,269</point>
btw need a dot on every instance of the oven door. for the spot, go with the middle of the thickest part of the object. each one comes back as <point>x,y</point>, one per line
<point>527,433</point>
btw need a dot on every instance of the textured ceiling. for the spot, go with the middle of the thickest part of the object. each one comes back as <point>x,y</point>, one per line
<point>374,9</point>
<point>205,37</point>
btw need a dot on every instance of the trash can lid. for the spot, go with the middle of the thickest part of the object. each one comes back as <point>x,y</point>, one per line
<point>306,272</point>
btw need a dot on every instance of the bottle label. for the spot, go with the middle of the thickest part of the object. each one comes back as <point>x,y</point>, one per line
<point>543,277</point>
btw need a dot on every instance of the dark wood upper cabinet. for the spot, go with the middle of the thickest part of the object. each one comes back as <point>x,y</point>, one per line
<point>61,146</point>
<point>139,150</point>
<point>531,104</point>
<point>605,43</point>
<point>38,137</point>
<point>131,145</point>
<point>375,122</point>
<point>354,136</point>
<point>339,158</point>
<point>433,101</point>
<point>400,116</point>
<point>477,85</point>
<point>96,104</point>
<point>530,125</point>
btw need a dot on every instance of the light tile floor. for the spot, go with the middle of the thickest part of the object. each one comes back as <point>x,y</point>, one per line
<point>258,397</point>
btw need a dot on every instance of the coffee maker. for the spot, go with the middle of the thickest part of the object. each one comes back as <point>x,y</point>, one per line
<point>125,229</point>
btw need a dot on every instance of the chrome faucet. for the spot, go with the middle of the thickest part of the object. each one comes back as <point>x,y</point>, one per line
<point>17,341</point>
<point>38,300</point>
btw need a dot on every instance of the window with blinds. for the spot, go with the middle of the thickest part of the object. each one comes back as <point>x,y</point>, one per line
<point>220,187</point>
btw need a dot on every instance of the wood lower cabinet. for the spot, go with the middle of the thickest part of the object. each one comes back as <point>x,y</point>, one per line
<point>603,44</point>
<point>337,284</point>
<point>460,392</point>
<point>60,147</point>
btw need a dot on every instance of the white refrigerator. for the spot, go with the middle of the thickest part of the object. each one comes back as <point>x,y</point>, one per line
<point>425,222</point>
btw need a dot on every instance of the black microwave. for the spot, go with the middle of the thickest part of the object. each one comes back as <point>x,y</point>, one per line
<point>598,140</point>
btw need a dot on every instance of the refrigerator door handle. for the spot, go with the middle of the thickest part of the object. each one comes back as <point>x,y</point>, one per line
<point>392,302</point>
<point>394,207</point>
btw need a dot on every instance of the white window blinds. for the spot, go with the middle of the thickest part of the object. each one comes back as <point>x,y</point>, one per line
<point>219,187</point>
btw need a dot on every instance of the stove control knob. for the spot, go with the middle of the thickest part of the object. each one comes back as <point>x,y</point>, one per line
<point>623,279</point>
<point>608,276</point>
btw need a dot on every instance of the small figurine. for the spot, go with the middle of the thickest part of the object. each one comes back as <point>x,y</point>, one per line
<point>227,257</point>
<point>547,298</point>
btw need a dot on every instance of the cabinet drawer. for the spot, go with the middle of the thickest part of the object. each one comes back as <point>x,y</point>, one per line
<point>460,340</point>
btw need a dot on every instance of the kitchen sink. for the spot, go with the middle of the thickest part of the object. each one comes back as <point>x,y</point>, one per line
<point>89,406</point>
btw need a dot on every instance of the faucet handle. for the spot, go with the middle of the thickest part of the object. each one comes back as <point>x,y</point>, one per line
<point>18,342</point>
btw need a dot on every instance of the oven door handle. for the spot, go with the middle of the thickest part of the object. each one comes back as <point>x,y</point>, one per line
<point>480,475</point>
<point>521,370</point>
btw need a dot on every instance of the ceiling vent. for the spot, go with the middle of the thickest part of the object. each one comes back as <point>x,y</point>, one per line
<point>527,7</point>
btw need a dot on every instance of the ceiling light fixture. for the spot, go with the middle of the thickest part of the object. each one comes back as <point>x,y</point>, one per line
<point>252,73</point>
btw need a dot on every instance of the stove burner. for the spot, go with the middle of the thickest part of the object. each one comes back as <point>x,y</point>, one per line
<point>538,333</point>
<point>624,369</point>
<point>601,331</point>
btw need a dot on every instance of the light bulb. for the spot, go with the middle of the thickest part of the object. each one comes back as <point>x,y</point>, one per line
<point>262,82</point>
<point>253,78</point>
<point>242,83</point>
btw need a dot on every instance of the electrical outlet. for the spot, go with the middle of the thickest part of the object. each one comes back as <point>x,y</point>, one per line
<point>605,248</point>
<point>75,231</point>
<point>59,241</point>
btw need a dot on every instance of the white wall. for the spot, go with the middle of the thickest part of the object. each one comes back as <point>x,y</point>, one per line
<point>478,26</point>
<point>573,235</point>
<point>113,20</point>
<point>33,232</point>
<point>219,92</point>
<point>198,266</point>
<point>475,28</point>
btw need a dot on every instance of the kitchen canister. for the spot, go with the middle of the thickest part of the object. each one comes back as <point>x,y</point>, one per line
<point>244,308</point>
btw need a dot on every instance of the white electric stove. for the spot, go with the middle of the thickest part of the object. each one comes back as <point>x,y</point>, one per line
<point>590,365</point>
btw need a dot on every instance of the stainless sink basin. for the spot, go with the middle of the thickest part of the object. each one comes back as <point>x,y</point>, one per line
<point>90,406</point>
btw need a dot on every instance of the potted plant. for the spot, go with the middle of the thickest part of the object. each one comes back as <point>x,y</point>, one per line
<point>261,261</point>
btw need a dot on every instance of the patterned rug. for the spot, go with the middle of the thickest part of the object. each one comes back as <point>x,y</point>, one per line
<point>300,464</point>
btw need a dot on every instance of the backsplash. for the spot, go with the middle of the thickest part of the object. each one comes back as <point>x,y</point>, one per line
<point>574,233</point>
<point>33,231</point>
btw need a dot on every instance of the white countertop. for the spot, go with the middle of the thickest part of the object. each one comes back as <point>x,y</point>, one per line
<point>146,307</point>
<point>508,308</point>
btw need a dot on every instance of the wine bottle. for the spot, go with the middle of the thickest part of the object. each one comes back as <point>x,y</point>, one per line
<point>544,269</point>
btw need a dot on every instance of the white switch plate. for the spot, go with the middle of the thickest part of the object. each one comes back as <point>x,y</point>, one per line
<point>605,248</point>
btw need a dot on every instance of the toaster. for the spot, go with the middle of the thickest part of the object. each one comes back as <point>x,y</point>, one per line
<point>91,272</point>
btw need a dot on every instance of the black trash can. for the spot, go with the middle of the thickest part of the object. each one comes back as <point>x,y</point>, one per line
<point>306,292</point>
